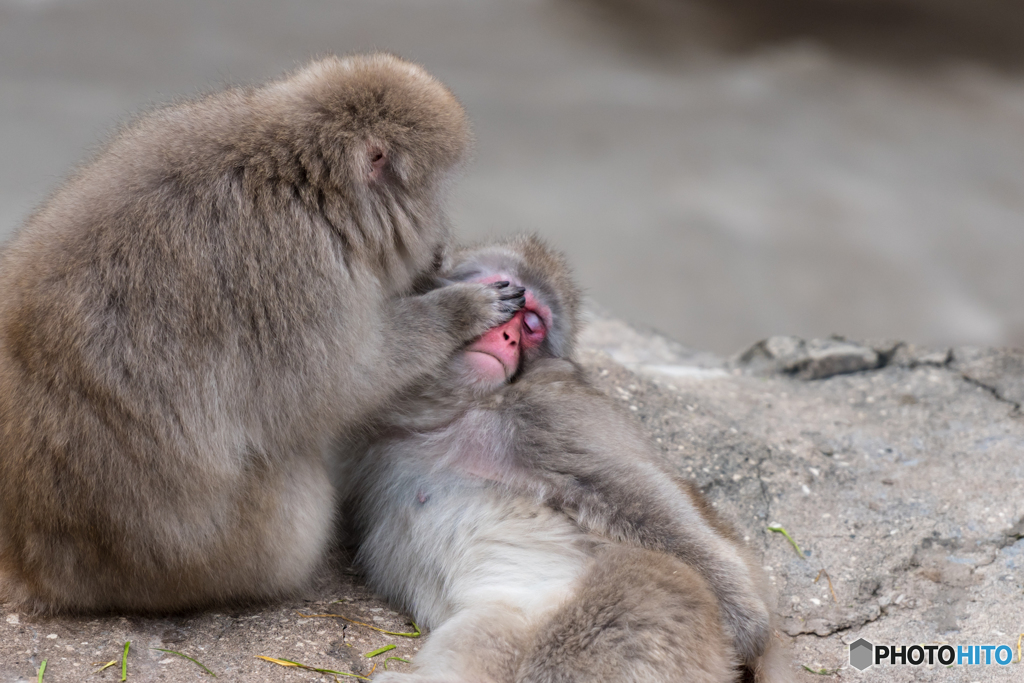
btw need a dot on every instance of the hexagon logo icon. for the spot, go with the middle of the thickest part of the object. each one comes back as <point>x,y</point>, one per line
<point>861,654</point>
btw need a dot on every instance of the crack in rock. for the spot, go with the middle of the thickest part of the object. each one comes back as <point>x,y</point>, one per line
<point>765,496</point>
<point>1000,372</point>
<point>823,628</point>
<point>994,391</point>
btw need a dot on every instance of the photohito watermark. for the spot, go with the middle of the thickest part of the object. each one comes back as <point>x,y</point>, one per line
<point>864,654</point>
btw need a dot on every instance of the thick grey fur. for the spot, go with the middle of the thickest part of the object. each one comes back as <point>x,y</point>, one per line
<point>532,527</point>
<point>189,323</point>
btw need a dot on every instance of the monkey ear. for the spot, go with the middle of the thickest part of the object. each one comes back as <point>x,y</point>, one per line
<point>376,161</point>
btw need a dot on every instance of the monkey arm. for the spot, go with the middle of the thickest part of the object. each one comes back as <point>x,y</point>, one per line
<point>585,457</point>
<point>419,333</point>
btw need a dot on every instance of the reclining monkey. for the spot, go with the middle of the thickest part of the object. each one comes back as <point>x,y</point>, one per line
<point>512,509</point>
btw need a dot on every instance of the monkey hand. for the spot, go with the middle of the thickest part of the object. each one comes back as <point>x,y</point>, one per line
<point>473,308</point>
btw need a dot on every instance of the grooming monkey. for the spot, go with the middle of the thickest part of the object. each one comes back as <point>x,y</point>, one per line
<point>188,323</point>
<point>513,509</point>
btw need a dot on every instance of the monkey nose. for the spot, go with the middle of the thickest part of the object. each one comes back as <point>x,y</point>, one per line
<point>502,343</point>
<point>512,331</point>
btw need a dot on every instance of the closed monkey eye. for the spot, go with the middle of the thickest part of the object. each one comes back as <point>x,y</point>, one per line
<point>533,322</point>
<point>533,328</point>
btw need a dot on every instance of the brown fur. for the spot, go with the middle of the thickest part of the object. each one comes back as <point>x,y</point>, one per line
<point>475,502</point>
<point>637,617</point>
<point>187,324</point>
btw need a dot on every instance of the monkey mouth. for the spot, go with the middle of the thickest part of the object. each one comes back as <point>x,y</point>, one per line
<point>489,363</point>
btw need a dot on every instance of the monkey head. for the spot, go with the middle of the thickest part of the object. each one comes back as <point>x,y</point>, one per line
<point>498,354</point>
<point>544,328</point>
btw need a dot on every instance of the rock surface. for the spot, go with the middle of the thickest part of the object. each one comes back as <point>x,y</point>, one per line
<point>897,472</point>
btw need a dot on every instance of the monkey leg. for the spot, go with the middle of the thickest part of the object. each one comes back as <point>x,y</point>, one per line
<point>637,616</point>
<point>480,644</point>
<point>250,534</point>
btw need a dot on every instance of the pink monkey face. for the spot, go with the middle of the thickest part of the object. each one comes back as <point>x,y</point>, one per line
<point>496,355</point>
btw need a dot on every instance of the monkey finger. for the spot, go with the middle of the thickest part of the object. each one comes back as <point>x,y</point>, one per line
<point>509,291</point>
<point>513,305</point>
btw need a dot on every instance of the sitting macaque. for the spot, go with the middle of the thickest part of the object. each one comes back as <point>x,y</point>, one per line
<point>188,324</point>
<point>514,510</point>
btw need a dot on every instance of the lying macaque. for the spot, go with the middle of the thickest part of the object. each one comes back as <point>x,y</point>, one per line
<point>512,508</point>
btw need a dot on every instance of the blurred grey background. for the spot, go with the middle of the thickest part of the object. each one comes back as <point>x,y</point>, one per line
<point>720,170</point>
